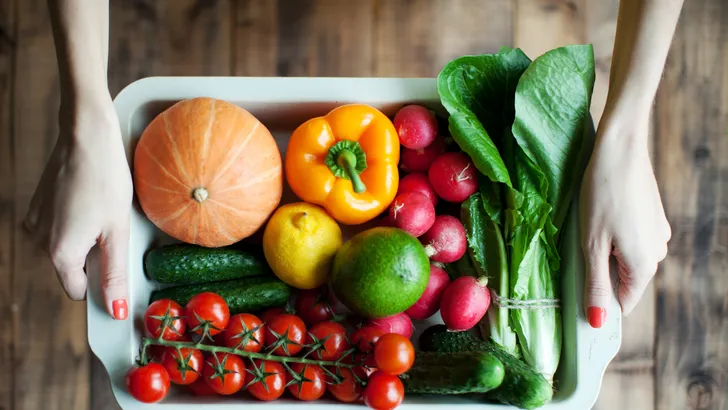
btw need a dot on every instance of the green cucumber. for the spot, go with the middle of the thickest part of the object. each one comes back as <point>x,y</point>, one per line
<point>242,295</point>
<point>183,264</point>
<point>522,386</point>
<point>453,373</point>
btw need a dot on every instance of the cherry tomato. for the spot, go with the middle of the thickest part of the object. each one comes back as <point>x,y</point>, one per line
<point>394,354</point>
<point>271,313</point>
<point>207,314</point>
<point>201,388</point>
<point>285,334</point>
<point>348,391</point>
<point>334,336</point>
<point>313,306</point>
<point>314,387</point>
<point>244,331</point>
<point>365,337</point>
<point>224,373</point>
<point>165,316</point>
<point>383,391</point>
<point>270,379</point>
<point>183,369</point>
<point>149,383</point>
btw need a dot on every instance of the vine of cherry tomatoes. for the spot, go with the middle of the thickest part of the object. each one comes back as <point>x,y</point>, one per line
<point>263,355</point>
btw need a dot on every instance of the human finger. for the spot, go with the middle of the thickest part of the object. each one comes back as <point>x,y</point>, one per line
<point>114,248</point>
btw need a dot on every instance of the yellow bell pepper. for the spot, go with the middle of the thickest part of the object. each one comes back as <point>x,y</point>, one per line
<point>346,162</point>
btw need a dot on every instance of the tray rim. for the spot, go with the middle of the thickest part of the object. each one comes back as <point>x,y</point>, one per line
<point>319,89</point>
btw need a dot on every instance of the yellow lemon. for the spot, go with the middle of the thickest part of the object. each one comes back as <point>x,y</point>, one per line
<point>299,243</point>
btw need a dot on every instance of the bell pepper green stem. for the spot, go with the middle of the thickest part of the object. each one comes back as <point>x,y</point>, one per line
<point>347,160</point>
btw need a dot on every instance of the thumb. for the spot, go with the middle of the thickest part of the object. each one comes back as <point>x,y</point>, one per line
<point>114,247</point>
<point>598,284</point>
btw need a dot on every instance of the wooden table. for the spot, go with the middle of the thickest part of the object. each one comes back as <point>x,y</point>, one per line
<point>675,350</point>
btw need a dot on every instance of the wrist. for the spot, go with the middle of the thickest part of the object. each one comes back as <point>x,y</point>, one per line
<point>624,125</point>
<point>82,115</point>
<point>78,90</point>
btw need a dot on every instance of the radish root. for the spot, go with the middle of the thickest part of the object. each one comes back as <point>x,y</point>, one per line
<point>397,207</point>
<point>460,177</point>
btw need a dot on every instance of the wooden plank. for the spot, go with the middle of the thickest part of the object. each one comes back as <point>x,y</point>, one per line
<point>183,37</point>
<point>541,25</point>
<point>416,38</point>
<point>601,24</point>
<point>692,170</point>
<point>7,206</point>
<point>51,353</point>
<point>255,38</point>
<point>7,21</point>
<point>324,38</point>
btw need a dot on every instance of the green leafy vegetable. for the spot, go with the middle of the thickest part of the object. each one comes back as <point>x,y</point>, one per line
<point>524,126</point>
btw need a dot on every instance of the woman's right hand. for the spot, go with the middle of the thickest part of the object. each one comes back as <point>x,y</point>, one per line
<point>84,198</point>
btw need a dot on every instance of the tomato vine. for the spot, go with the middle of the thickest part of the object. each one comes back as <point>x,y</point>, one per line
<point>324,364</point>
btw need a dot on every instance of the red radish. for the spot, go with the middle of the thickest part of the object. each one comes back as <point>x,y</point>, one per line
<point>445,242</point>
<point>417,182</point>
<point>464,303</point>
<point>419,160</point>
<point>453,176</point>
<point>412,212</point>
<point>399,323</point>
<point>416,126</point>
<point>429,302</point>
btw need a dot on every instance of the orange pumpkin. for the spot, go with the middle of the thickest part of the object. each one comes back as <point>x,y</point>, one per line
<point>207,172</point>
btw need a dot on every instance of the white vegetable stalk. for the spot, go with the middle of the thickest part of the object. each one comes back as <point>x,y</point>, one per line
<point>538,329</point>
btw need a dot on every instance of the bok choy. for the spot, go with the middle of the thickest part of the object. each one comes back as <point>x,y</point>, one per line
<point>523,124</point>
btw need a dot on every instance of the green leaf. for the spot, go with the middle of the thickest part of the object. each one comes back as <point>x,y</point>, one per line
<point>492,199</point>
<point>474,219</point>
<point>552,103</point>
<point>487,250</point>
<point>478,93</point>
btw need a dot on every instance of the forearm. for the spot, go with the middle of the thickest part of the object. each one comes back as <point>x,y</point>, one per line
<point>645,29</point>
<point>81,33</point>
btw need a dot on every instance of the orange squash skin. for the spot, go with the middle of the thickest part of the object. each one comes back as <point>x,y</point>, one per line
<point>207,172</point>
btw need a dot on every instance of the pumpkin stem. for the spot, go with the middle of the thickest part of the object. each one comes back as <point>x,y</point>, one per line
<point>200,194</point>
<point>346,159</point>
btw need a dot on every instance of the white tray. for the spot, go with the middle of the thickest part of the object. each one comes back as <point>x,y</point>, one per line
<point>282,104</point>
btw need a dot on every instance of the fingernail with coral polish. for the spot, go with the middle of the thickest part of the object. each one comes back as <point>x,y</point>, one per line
<point>597,316</point>
<point>120,309</point>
